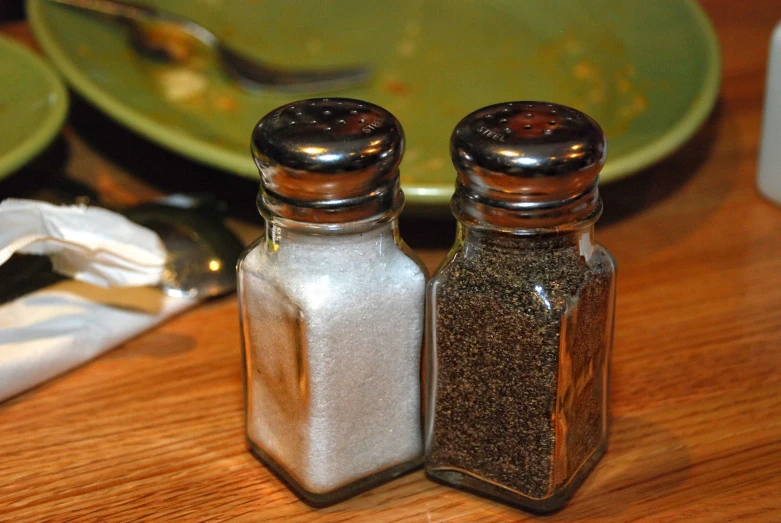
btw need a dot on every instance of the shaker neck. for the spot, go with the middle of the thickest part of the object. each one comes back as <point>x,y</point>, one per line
<point>280,232</point>
<point>383,202</point>
<point>334,217</point>
<point>518,215</point>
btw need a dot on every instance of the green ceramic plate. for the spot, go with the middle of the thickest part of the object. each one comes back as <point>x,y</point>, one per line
<point>33,103</point>
<point>647,71</point>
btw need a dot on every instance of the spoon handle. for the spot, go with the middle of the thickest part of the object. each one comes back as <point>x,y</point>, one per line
<point>256,75</point>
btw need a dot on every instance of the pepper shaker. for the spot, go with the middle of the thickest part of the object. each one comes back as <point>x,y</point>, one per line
<point>521,312</point>
<point>332,303</point>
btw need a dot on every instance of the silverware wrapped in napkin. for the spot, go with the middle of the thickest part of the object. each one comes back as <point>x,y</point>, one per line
<point>118,268</point>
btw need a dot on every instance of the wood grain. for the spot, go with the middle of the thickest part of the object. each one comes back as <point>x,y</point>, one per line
<point>154,430</point>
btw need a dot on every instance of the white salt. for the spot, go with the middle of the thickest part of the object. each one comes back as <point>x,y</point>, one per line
<point>333,328</point>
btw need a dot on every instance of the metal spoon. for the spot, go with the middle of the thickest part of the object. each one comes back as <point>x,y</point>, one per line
<point>202,252</point>
<point>163,35</point>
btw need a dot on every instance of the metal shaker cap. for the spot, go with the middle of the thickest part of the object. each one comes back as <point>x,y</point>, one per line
<point>329,160</point>
<point>527,165</point>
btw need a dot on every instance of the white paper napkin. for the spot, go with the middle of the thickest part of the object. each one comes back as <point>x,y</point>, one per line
<point>86,243</point>
<point>50,331</point>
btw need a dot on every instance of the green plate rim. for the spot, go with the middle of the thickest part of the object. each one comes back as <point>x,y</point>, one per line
<point>417,193</point>
<point>54,120</point>
<point>689,123</point>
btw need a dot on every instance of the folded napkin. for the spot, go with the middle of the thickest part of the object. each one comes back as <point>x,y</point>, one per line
<point>57,328</point>
<point>86,243</point>
<point>50,331</point>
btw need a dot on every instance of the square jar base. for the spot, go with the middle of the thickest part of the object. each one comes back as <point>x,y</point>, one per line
<point>320,500</point>
<point>476,485</point>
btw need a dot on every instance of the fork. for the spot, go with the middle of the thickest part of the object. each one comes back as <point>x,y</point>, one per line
<point>247,71</point>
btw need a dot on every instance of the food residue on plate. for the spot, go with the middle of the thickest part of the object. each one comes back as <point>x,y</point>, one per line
<point>598,77</point>
<point>225,103</point>
<point>178,44</point>
<point>180,84</point>
<point>396,87</point>
<point>409,41</point>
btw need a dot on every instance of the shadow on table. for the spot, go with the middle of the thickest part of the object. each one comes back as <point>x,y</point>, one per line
<point>165,170</point>
<point>631,195</point>
<point>430,228</point>
<point>170,172</point>
<point>158,343</point>
<point>647,463</point>
<point>42,178</point>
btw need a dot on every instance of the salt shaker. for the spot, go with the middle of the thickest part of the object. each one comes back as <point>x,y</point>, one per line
<point>521,311</point>
<point>332,303</point>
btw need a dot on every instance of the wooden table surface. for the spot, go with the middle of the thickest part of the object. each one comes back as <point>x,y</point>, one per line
<point>154,429</point>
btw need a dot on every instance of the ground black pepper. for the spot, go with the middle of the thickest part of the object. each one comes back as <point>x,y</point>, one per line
<point>520,316</point>
<point>522,337</point>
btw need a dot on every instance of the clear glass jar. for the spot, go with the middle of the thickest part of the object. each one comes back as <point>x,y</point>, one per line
<point>521,312</point>
<point>332,304</point>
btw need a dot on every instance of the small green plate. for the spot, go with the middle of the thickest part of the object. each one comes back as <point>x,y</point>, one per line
<point>647,71</point>
<point>33,104</point>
